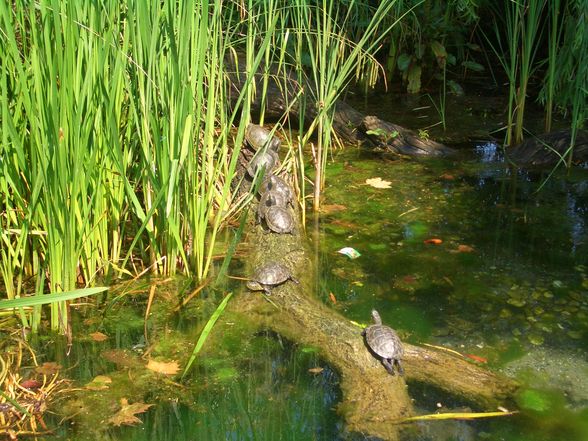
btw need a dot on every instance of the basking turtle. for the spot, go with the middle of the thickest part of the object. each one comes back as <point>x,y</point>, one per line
<point>268,276</point>
<point>269,199</point>
<point>263,160</point>
<point>279,219</point>
<point>257,137</point>
<point>384,342</point>
<point>277,184</point>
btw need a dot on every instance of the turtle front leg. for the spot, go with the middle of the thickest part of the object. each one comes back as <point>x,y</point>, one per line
<point>389,365</point>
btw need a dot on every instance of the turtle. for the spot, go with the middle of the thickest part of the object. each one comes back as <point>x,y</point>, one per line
<point>269,275</point>
<point>258,137</point>
<point>384,343</point>
<point>263,160</point>
<point>269,199</point>
<point>275,183</point>
<point>279,219</point>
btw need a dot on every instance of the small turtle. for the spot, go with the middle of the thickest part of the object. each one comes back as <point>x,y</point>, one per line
<point>384,342</point>
<point>275,183</point>
<point>269,199</point>
<point>279,220</point>
<point>265,161</point>
<point>258,137</point>
<point>268,276</point>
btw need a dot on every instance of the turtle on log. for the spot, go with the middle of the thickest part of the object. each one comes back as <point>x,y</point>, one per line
<point>384,343</point>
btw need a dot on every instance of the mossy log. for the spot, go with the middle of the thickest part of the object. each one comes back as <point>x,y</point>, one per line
<point>350,125</point>
<point>373,400</point>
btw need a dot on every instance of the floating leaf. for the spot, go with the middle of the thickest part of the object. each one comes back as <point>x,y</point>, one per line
<point>99,382</point>
<point>433,241</point>
<point>349,252</point>
<point>98,336</point>
<point>316,370</point>
<point>378,183</point>
<point>465,249</point>
<point>167,368</point>
<point>126,414</point>
<point>476,358</point>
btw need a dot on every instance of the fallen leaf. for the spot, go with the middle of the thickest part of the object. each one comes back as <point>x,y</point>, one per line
<point>332,208</point>
<point>345,224</point>
<point>465,249</point>
<point>476,358</point>
<point>409,279</point>
<point>48,368</point>
<point>31,384</point>
<point>333,298</point>
<point>316,370</point>
<point>433,241</point>
<point>98,336</point>
<point>122,358</point>
<point>167,368</point>
<point>378,183</point>
<point>127,412</point>
<point>99,382</point>
<point>447,177</point>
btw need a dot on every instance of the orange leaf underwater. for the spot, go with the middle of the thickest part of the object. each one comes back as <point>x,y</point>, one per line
<point>433,241</point>
<point>476,358</point>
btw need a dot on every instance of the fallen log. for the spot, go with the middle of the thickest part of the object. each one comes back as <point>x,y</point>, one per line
<point>373,401</point>
<point>350,125</point>
<point>548,149</point>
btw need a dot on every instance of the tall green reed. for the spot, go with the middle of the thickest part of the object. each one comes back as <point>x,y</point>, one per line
<point>116,140</point>
<point>522,32</point>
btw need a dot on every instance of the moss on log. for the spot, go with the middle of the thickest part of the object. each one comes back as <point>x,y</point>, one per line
<point>373,400</point>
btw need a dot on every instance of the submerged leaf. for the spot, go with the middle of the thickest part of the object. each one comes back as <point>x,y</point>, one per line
<point>98,336</point>
<point>378,183</point>
<point>127,412</point>
<point>162,367</point>
<point>99,382</point>
<point>433,241</point>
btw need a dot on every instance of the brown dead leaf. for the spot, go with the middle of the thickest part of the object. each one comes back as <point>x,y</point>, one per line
<point>127,412</point>
<point>122,358</point>
<point>332,208</point>
<point>48,368</point>
<point>333,298</point>
<point>316,370</point>
<point>99,382</point>
<point>167,368</point>
<point>98,336</point>
<point>378,183</point>
<point>465,249</point>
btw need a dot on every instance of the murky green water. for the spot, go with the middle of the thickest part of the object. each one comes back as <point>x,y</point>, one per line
<point>508,283</point>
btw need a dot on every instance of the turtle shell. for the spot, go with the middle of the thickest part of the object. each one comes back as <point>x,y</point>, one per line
<point>279,219</point>
<point>272,274</point>
<point>269,199</point>
<point>384,341</point>
<point>263,160</point>
<point>277,184</point>
<point>257,137</point>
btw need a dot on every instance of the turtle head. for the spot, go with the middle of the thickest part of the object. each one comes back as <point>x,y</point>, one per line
<point>254,285</point>
<point>376,317</point>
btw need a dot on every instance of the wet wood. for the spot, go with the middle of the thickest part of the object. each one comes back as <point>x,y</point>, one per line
<point>373,400</point>
<point>349,124</point>
<point>547,149</point>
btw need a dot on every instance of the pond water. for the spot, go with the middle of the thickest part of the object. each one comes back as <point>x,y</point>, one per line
<point>462,253</point>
